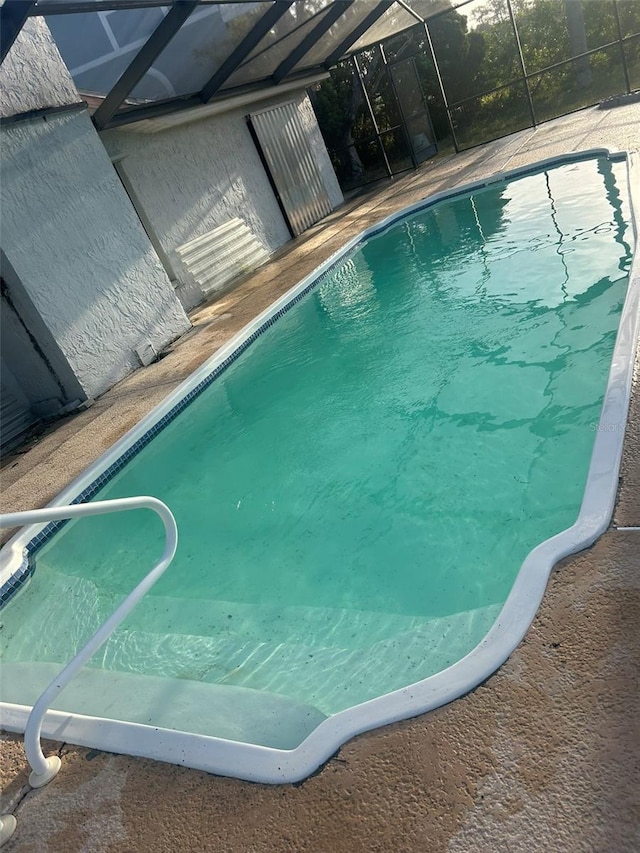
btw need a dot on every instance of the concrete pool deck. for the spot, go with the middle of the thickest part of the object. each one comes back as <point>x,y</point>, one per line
<point>543,756</point>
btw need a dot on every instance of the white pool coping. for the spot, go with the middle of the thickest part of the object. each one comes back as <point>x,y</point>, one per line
<point>265,764</point>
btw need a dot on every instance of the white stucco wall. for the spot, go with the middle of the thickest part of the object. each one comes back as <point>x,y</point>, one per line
<point>33,75</point>
<point>192,178</point>
<point>79,250</point>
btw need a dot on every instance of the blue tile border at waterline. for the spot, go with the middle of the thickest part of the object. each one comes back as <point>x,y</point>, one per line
<point>26,570</point>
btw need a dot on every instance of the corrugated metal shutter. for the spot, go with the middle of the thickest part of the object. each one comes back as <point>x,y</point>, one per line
<point>15,417</point>
<point>294,171</point>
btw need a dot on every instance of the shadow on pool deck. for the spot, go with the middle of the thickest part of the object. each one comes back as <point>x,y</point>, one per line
<point>544,756</point>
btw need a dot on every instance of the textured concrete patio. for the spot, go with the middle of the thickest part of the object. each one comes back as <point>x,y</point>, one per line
<point>544,756</point>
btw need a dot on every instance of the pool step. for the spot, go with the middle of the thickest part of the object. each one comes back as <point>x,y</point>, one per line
<point>329,677</point>
<point>236,713</point>
<point>320,626</point>
<point>329,658</point>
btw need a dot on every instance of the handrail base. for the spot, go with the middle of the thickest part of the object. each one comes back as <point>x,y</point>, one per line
<point>7,827</point>
<point>39,780</point>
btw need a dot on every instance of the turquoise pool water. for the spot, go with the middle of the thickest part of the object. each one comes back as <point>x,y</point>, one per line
<point>357,491</point>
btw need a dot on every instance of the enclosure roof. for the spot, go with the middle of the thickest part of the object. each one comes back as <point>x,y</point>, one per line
<point>138,59</point>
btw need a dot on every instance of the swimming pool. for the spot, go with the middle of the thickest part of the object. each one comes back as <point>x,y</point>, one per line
<point>396,444</point>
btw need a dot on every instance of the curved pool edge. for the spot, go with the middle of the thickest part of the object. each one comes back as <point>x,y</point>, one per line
<point>264,764</point>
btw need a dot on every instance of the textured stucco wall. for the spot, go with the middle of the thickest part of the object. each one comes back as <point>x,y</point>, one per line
<point>195,177</point>
<point>72,236</point>
<point>52,360</point>
<point>33,75</point>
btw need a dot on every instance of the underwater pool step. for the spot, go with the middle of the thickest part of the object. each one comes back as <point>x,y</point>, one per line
<point>329,658</point>
<point>237,713</point>
<point>318,626</point>
<point>329,677</point>
<point>315,626</point>
<point>226,620</point>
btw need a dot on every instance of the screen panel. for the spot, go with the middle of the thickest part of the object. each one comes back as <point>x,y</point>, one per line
<point>346,23</point>
<point>284,37</point>
<point>97,47</point>
<point>632,56</point>
<point>553,32</point>
<point>203,43</point>
<point>577,84</point>
<point>491,116</point>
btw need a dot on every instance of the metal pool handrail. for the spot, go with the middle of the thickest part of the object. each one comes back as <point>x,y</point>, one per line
<point>44,769</point>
